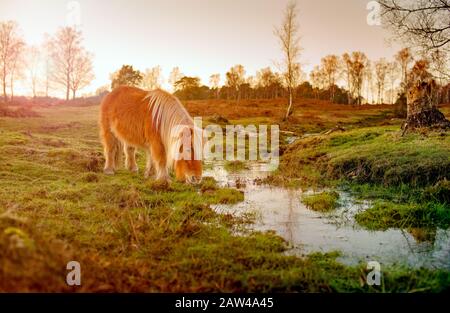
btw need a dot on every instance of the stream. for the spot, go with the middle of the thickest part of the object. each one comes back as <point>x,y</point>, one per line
<point>281,210</point>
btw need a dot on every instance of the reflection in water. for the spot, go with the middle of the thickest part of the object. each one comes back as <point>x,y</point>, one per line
<point>308,231</point>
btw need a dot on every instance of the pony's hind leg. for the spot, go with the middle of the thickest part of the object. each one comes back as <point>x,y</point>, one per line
<point>130,160</point>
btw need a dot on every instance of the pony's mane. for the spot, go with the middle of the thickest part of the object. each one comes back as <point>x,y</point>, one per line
<point>169,118</point>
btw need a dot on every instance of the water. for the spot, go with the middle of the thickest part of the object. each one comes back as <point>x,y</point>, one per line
<point>307,231</point>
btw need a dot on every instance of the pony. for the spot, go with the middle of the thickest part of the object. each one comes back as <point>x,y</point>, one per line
<point>156,122</point>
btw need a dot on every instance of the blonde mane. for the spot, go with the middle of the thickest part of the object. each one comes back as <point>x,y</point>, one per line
<point>170,118</point>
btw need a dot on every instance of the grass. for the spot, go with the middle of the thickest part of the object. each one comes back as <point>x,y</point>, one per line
<point>384,215</point>
<point>323,202</point>
<point>132,234</point>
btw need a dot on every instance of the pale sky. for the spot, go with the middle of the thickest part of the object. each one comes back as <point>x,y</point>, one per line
<point>202,37</point>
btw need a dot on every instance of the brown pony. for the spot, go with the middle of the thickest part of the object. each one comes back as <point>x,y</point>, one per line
<point>156,122</point>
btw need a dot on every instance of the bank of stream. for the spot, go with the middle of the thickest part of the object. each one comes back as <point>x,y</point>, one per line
<point>281,210</point>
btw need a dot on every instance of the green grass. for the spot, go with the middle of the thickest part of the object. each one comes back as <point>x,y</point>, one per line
<point>132,234</point>
<point>384,215</point>
<point>323,202</point>
<point>376,155</point>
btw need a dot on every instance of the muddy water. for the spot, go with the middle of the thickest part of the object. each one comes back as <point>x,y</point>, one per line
<point>307,231</point>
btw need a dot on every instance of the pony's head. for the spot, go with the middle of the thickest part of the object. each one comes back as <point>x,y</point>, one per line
<point>188,163</point>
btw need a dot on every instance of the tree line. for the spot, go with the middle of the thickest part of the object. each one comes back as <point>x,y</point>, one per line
<point>362,80</point>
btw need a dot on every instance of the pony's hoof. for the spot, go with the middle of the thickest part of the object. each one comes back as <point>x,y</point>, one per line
<point>148,174</point>
<point>108,171</point>
<point>134,170</point>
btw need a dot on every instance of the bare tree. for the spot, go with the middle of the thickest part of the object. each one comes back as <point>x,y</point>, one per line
<point>174,76</point>
<point>288,35</point>
<point>152,78</point>
<point>381,68</point>
<point>347,71</point>
<point>392,75</point>
<point>235,78</point>
<point>404,58</point>
<point>69,60</point>
<point>11,47</point>
<point>368,73</point>
<point>422,23</point>
<point>330,67</point>
<point>83,73</point>
<point>214,81</point>
<point>440,65</point>
<point>17,67</point>
<point>355,68</point>
<point>33,67</point>
<point>318,79</point>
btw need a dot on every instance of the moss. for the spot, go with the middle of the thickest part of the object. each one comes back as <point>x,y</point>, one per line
<point>323,202</point>
<point>384,215</point>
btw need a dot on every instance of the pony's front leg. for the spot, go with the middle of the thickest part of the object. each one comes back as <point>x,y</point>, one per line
<point>130,161</point>
<point>160,162</point>
<point>149,165</point>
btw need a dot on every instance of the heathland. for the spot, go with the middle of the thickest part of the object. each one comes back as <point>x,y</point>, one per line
<point>133,234</point>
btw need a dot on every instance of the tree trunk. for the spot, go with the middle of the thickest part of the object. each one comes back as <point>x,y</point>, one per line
<point>5,96</point>
<point>73,94</point>
<point>67,93</point>
<point>288,112</point>
<point>422,113</point>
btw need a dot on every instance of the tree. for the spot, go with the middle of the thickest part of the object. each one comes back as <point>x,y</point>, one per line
<point>82,73</point>
<point>214,81</point>
<point>355,65</point>
<point>189,88</point>
<point>318,79</point>
<point>368,73</point>
<point>11,46</point>
<point>290,45</point>
<point>33,67</point>
<point>71,64</point>
<point>152,78</point>
<point>422,23</point>
<point>17,67</point>
<point>347,72</point>
<point>392,74</point>
<point>235,78</point>
<point>330,67</point>
<point>126,76</point>
<point>404,58</point>
<point>440,65</point>
<point>102,90</point>
<point>175,76</point>
<point>381,68</point>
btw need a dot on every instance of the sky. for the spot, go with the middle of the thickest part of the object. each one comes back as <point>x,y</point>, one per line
<point>202,37</point>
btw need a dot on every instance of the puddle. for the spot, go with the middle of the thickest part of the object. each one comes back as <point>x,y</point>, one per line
<point>281,210</point>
